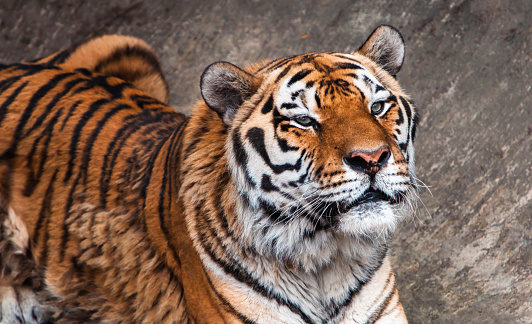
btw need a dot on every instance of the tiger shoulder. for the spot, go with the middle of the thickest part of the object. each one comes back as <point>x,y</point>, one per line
<point>272,203</point>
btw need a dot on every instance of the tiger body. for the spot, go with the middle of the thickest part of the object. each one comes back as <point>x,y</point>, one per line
<point>272,203</point>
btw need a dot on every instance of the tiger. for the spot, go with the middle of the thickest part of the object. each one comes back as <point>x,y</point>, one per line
<point>274,202</point>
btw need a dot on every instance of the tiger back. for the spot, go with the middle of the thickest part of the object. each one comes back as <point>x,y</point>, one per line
<point>272,203</point>
<point>60,124</point>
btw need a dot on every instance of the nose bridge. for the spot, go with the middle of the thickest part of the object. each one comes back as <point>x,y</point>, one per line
<point>364,133</point>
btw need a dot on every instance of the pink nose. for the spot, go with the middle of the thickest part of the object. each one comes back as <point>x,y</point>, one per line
<point>369,162</point>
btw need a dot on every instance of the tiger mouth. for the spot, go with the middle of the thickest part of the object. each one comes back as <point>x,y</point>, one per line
<point>325,214</point>
<point>329,211</point>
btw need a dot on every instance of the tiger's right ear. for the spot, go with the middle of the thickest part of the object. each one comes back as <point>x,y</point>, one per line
<point>225,87</point>
<point>386,47</point>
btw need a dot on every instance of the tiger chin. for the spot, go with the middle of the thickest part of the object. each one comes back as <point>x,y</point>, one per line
<point>273,203</point>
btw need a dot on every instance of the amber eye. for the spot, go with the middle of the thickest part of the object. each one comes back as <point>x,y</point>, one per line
<point>304,120</point>
<point>377,107</point>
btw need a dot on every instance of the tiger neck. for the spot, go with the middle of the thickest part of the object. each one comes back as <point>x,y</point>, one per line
<point>212,206</point>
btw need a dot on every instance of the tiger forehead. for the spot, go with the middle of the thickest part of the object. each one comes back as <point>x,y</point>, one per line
<point>327,65</point>
<point>326,79</point>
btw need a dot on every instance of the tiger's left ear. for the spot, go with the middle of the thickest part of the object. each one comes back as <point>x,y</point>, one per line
<point>225,87</point>
<point>386,47</point>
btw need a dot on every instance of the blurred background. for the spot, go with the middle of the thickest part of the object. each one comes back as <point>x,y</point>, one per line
<point>466,256</point>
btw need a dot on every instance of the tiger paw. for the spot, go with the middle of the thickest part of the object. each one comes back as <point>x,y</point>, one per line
<point>20,305</point>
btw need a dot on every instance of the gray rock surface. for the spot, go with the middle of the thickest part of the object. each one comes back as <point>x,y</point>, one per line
<point>467,254</point>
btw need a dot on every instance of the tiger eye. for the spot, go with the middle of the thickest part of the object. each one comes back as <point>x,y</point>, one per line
<point>377,107</point>
<point>304,120</point>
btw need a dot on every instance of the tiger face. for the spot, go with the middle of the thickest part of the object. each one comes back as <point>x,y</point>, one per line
<point>320,147</point>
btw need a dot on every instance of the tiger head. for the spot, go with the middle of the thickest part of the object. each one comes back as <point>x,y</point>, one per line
<point>320,147</point>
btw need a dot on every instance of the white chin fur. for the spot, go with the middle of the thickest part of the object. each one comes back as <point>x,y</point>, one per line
<point>373,220</point>
<point>363,226</point>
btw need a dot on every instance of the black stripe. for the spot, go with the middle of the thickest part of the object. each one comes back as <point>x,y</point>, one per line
<point>347,66</point>
<point>52,104</point>
<point>352,75</point>
<point>113,150</point>
<point>143,100</point>
<point>256,138</point>
<point>414,126</point>
<point>32,68</point>
<point>88,144</point>
<point>361,93</point>
<point>317,98</point>
<point>354,291</point>
<point>289,105</point>
<point>241,156</point>
<point>7,83</point>
<point>278,63</point>
<point>33,179</point>
<point>224,301</point>
<point>378,313</point>
<point>69,114</point>
<point>407,108</point>
<point>76,134</point>
<point>61,56</point>
<point>10,100</point>
<point>267,185</point>
<point>240,153</point>
<point>127,52</point>
<point>298,76</point>
<point>65,233</point>
<point>268,106</point>
<point>283,73</point>
<point>400,119</point>
<point>45,211</point>
<point>166,178</point>
<point>303,177</point>
<point>234,269</point>
<point>154,152</point>
<point>28,111</point>
<point>283,144</point>
<point>378,88</point>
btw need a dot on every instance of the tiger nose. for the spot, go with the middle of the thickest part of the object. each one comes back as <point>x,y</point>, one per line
<point>368,162</point>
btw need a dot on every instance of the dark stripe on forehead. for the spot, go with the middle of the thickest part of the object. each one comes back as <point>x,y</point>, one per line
<point>283,74</point>
<point>276,63</point>
<point>367,80</point>
<point>353,75</point>
<point>361,93</point>
<point>348,66</point>
<point>298,76</point>
<point>307,58</point>
<point>289,105</point>
<point>317,98</point>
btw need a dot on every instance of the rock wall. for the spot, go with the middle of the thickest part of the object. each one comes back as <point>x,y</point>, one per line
<point>466,256</point>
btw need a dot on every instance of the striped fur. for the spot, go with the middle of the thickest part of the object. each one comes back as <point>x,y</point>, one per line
<point>256,209</point>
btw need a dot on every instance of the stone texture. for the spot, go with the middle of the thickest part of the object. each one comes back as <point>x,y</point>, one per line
<point>466,256</point>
